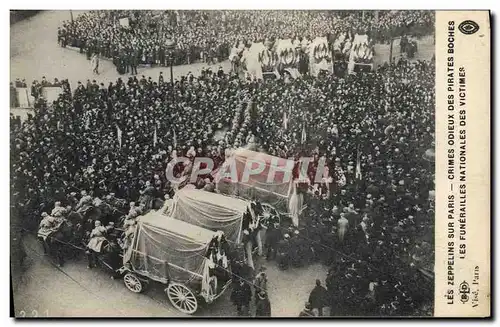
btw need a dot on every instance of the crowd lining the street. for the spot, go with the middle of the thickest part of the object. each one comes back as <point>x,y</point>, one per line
<point>208,36</point>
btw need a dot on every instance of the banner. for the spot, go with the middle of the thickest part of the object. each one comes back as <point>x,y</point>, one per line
<point>303,137</point>
<point>124,22</point>
<point>119,135</point>
<point>155,138</point>
<point>24,98</point>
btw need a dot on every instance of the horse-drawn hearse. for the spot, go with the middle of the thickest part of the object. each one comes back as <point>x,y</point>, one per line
<point>214,211</point>
<point>191,262</point>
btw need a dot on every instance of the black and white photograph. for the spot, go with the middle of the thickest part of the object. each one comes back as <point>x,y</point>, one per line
<point>233,163</point>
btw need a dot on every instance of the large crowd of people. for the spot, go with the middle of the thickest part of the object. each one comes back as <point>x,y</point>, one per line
<point>209,35</point>
<point>371,221</point>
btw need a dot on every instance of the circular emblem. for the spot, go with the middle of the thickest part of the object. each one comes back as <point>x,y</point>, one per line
<point>468,27</point>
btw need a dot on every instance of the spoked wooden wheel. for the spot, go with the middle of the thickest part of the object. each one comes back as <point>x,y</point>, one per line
<point>182,298</point>
<point>269,215</point>
<point>133,283</point>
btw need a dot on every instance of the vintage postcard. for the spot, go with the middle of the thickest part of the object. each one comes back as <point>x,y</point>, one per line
<point>252,163</point>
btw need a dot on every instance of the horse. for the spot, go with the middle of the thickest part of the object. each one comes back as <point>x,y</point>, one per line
<point>109,256</point>
<point>158,203</point>
<point>82,225</point>
<point>151,203</point>
<point>92,213</point>
<point>109,213</point>
<point>54,244</point>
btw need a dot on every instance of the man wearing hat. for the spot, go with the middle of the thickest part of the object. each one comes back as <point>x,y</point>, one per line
<point>282,253</point>
<point>241,297</point>
<point>295,252</point>
<point>58,210</point>
<point>97,237</point>
<point>47,225</point>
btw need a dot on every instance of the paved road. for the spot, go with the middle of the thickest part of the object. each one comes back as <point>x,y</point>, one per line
<point>75,290</point>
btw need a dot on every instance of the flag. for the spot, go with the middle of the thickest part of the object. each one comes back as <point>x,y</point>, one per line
<point>341,179</point>
<point>304,134</point>
<point>285,120</point>
<point>119,135</point>
<point>358,166</point>
<point>175,139</point>
<point>155,138</point>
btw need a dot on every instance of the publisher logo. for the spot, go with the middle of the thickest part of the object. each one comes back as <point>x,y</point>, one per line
<point>464,290</point>
<point>468,27</point>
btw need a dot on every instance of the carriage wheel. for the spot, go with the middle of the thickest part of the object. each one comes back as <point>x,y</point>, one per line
<point>182,298</point>
<point>133,283</point>
<point>269,215</point>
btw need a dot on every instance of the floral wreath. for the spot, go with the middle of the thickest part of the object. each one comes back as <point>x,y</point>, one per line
<point>267,59</point>
<point>320,52</point>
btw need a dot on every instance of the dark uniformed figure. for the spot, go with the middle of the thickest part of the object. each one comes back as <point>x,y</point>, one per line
<point>161,55</point>
<point>134,62</point>
<point>273,236</point>
<point>113,233</point>
<point>262,304</point>
<point>318,298</point>
<point>160,79</point>
<point>241,297</point>
<point>220,72</point>
<point>80,90</point>
<point>307,311</point>
<point>35,89</point>
<point>88,51</point>
<point>296,244</point>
